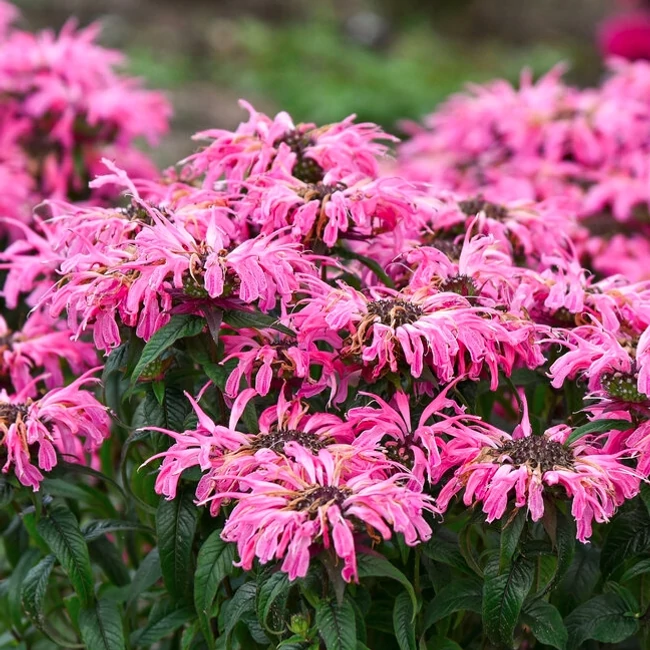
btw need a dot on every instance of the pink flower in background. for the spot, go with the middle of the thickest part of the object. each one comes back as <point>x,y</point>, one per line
<point>626,35</point>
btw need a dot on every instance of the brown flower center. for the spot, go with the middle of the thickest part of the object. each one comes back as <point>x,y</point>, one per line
<point>395,312</point>
<point>471,207</point>
<point>9,413</point>
<point>536,451</point>
<point>305,168</point>
<point>276,440</point>
<point>463,285</point>
<point>314,498</point>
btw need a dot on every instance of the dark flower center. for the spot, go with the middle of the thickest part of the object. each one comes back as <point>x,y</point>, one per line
<point>305,168</point>
<point>9,413</point>
<point>471,207</point>
<point>277,439</point>
<point>319,191</point>
<point>537,451</point>
<point>623,386</point>
<point>317,497</point>
<point>449,248</point>
<point>395,313</point>
<point>463,285</point>
<point>399,452</point>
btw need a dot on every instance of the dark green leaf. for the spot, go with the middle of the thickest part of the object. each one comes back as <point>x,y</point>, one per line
<point>403,615</point>
<point>598,426</point>
<point>546,624</point>
<point>166,617</point>
<point>272,595</point>
<point>510,534</point>
<point>604,618</point>
<point>336,625</point>
<point>33,596</point>
<point>59,528</point>
<point>101,626</point>
<point>148,573</point>
<point>180,326</point>
<point>214,563</point>
<point>443,547</point>
<point>104,554</point>
<point>15,583</point>
<point>463,593</point>
<point>242,603</point>
<point>374,566</point>
<point>6,492</point>
<point>442,643</point>
<point>503,596</point>
<point>636,570</point>
<point>175,526</point>
<point>256,319</point>
<point>627,536</point>
<point>95,529</point>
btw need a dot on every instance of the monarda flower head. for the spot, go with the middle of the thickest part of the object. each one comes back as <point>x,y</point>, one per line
<point>442,331</point>
<point>318,503</point>
<point>287,431</point>
<point>353,207</point>
<point>304,151</point>
<point>41,345</point>
<point>66,88</point>
<point>68,421</point>
<point>614,365</point>
<point>491,466</point>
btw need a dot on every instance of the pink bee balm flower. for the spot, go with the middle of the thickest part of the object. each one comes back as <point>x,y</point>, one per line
<point>317,504</point>
<point>494,465</point>
<point>42,344</point>
<point>226,455</point>
<point>66,420</point>
<point>441,331</point>
<point>305,151</point>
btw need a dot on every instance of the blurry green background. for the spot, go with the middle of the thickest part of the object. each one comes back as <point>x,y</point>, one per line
<point>385,60</point>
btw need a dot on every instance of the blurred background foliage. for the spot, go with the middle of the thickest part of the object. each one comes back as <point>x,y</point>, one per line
<point>385,60</point>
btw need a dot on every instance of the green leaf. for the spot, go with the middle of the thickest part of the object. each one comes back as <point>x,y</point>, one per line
<point>95,529</point>
<point>443,547</point>
<point>256,319</point>
<point>106,555</point>
<point>503,596</point>
<point>59,528</point>
<point>403,615</point>
<point>214,563</point>
<point>101,626</point>
<point>510,534</point>
<point>272,595</point>
<point>546,624</point>
<point>598,426</point>
<point>442,643</point>
<point>180,326</point>
<point>176,522</point>
<point>66,489</point>
<point>15,584</point>
<point>462,593</point>
<point>166,617</point>
<point>242,603</point>
<point>604,618</point>
<point>336,625</point>
<point>148,573</point>
<point>636,570</point>
<point>374,566</point>
<point>627,535</point>
<point>6,492</point>
<point>33,594</point>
